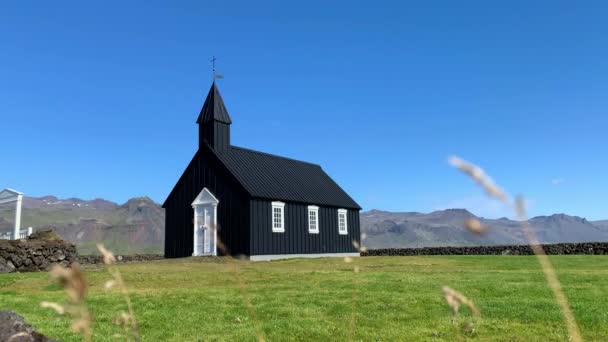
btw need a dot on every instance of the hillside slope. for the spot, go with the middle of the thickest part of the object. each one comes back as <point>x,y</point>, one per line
<point>137,226</point>
<point>445,228</point>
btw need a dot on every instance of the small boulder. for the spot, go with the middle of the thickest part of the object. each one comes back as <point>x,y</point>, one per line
<point>14,328</point>
<point>6,266</point>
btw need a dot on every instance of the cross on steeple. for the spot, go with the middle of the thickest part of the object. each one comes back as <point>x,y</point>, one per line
<point>218,76</point>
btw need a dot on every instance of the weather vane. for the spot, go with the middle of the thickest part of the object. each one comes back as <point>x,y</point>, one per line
<point>215,76</point>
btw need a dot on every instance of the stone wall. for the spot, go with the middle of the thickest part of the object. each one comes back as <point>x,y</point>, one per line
<point>98,259</point>
<point>28,255</point>
<point>600,248</point>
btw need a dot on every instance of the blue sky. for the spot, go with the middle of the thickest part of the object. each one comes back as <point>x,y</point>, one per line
<point>100,100</point>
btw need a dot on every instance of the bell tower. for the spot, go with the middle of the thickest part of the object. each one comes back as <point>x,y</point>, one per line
<point>214,122</point>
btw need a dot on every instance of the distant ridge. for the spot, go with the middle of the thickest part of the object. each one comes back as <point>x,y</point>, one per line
<point>137,226</point>
<point>385,229</point>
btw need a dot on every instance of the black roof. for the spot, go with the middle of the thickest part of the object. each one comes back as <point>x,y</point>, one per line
<point>214,108</point>
<point>278,178</point>
<point>269,176</point>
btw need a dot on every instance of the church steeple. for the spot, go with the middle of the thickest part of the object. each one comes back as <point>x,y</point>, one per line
<point>214,122</point>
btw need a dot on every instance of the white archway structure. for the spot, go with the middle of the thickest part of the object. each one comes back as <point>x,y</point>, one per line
<point>9,196</point>
<point>205,224</point>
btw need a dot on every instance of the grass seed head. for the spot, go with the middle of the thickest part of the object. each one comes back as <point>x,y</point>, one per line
<point>475,226</point>
<point>520,208</point>
<point>479,176</point>
<point>359,247</point>
<point>50,305</point>
<point>108,257</point>
<point>455,299</point>
<point>72,281</point>
<point>109,284</point>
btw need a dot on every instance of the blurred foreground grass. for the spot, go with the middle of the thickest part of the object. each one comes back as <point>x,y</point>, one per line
<point>396,298</point>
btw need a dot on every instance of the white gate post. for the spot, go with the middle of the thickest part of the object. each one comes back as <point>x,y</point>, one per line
<point>18,217</point>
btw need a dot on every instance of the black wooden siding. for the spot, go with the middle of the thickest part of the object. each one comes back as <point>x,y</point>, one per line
<point>216,134</point>
<point>296,239</point>
<point>233,209</point>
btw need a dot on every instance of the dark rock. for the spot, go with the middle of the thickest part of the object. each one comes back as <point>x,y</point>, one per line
<point>14,328</point>
<point>6,266</point>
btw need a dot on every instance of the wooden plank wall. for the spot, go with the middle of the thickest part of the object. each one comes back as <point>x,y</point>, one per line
<point>296,239</point>
<point>233,209</point>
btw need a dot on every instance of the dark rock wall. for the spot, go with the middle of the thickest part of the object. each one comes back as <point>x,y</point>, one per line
<point>600,248</point>
<point>28,255</point>
<point>98,259</point>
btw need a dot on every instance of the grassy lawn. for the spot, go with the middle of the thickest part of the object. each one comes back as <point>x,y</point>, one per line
<point>394,298</point>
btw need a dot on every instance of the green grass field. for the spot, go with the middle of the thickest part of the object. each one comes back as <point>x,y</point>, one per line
<point>393,298</point>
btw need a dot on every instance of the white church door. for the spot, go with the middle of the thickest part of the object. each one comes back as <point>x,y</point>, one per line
<point>205,224</point>
<point>199,240</point>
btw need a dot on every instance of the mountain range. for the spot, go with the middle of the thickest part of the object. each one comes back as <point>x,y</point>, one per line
<point>446,228</point>
<point>137,226</point>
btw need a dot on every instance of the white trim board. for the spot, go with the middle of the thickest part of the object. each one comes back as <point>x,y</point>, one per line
<point>269,257</point>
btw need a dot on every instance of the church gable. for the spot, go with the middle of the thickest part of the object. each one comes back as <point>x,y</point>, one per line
<point>205,197</point>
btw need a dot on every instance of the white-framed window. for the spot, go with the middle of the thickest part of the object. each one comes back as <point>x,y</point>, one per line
<point>342,222</point>
<point>313,219</point>
<point>278,217</point>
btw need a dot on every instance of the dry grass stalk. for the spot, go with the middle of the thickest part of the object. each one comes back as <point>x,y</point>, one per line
<point>475,226</point>
<point>479,176</point>
<point>243,289</point>
<point>356,269</point>
<point>117,281</point>
<point>359,247</point>
<point>456,299</point>
<point>73,282</point>
<point>485,182</point>
<point>549,271</point>
<point>353,308</point>
<point>51,305</point>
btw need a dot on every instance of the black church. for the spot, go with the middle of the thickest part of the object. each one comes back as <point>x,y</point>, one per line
<point>233,200</point>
